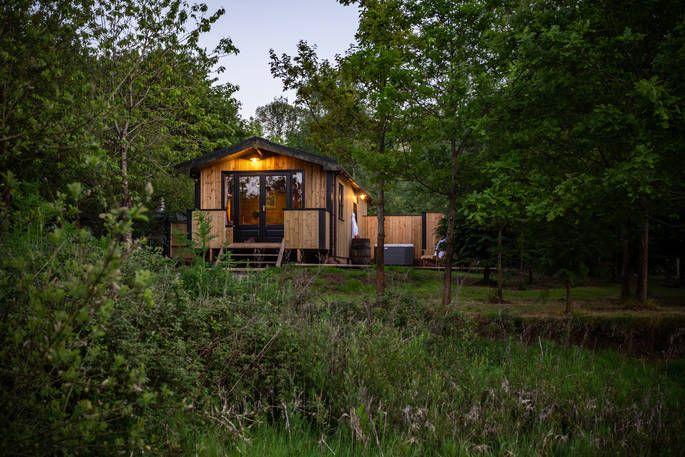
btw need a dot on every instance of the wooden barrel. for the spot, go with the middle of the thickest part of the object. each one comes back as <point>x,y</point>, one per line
<point>360,251</point>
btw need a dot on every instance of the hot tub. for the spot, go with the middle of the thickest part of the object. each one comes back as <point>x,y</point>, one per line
<point>398,254</point>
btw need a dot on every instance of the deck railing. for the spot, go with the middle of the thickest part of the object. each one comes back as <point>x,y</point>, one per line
<point>219,235</point>
<point>307,228</point>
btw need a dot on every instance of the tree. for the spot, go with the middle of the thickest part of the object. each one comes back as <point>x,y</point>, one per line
<point>597,123</point>
<point>452,74</point>
<point>149,68</point>
<point>45,93</point>
<point>111,94</point>
<point>375,67</point>
<point>499,206</point>
<point>280,120</point>
<point>356,103</point>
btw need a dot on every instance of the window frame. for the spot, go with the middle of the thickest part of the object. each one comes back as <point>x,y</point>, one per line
<point>235,174</point>
<point>341,201</point>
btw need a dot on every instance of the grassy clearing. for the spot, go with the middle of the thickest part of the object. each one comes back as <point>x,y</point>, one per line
<point>466,397</point>
<point>411,382</point>
<point>540,300</point>
<point>160,358</point>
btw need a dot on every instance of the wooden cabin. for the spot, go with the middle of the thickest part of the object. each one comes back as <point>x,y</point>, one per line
<point>259,195</point>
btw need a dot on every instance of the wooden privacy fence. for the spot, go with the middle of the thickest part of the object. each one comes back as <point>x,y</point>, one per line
<point>419,230</point>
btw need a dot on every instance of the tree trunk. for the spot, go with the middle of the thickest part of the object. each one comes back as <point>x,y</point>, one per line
<point>522,269</point>
<point>567,306</point>
<point>486,274</point>
<point>500,273</point>
<point>451,222</point>
<point>380,242</point>
<point>530,275</point>
<point>644,261</point>
<point>625,269</point>
<point>126,200</point>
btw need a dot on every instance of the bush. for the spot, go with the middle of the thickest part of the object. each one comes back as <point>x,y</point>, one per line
<point>62,388</point>
<point>107,350</point>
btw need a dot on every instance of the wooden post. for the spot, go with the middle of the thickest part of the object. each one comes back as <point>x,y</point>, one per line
<point>281,250</point>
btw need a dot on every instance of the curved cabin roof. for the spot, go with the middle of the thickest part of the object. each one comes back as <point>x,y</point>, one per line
<point>193,167</point>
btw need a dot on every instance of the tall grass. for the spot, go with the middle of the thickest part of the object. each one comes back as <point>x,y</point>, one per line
<point>141,355</point>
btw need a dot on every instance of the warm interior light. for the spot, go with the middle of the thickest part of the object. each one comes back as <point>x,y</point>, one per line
<point>254,159</point>
<point>363,196</point>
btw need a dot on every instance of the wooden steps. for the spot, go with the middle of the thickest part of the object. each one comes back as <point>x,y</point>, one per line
<point>246,270</point>
<point>333,265</point>
<point>250,257</point>
<point>254,246</point>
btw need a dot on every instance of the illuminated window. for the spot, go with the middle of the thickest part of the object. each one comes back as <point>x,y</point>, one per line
<point>341,212</point>
<point>296,190</point>
<point>228,198</point>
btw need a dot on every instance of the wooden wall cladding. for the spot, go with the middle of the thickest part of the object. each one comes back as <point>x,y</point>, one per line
<point>307,229</point>
<point>343,228</point>
<point>432,237</point>
<point>210,177</point>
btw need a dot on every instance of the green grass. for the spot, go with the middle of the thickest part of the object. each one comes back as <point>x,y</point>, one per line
<point>481,397</point>
<point>539,300</point>
<point>461,394</point>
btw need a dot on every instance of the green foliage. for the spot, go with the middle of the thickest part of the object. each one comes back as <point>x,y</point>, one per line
<point>107,352</point>
<point>281,121</point>
<point>62,386</point>
<point>112,94</point>
<point>567,119</point>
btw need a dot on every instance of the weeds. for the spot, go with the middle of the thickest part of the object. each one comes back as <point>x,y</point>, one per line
<point>104,352</point>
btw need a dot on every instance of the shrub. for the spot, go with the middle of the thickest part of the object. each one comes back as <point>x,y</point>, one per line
<point>62,388</point>
<point>107,350</point>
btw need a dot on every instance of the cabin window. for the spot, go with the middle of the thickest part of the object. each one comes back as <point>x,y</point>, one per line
<point>228,198</point>
<point>341,199</point>
<point>275,197</point>
<point>249,196</point>
<point>296,190</point>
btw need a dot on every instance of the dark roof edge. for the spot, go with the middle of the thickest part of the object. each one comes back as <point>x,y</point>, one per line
<point>191,166</point>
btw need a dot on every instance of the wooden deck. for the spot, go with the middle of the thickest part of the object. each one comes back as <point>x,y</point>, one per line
<point>254,246</point>
<point>332,265</point>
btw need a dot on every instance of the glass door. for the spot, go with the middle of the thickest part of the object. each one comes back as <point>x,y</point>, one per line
<point>249,208</point>
<point>260,203</point>
<point>275,201</point>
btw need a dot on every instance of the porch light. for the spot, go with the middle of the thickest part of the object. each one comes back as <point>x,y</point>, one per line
<point>254,159</point>
<point>363,196</point>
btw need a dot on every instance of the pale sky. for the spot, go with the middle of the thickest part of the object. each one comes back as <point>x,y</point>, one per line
<point>259,25</point>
